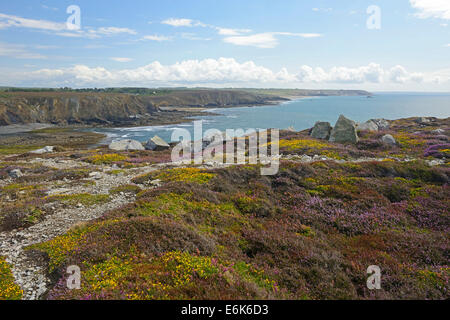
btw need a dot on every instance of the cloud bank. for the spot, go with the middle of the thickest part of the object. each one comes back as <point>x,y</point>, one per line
<point>222,71</point>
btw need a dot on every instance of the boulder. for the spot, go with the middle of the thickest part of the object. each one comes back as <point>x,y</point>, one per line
<point>423,121</point>
<point>388,139</point>
<point>368,126</point>
<point>438,131</point>
<point>344,131</point>
<point>16,173</point>
<point>382,124</point>
<point>321,130</point>
<point>157,144</point>
<point>126,145</point>
<point>47,149</point>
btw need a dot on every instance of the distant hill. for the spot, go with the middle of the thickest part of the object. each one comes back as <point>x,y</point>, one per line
<point>308,92</point>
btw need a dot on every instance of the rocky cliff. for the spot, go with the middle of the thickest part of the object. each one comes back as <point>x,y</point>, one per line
<point>71,108</point>
<point>110,108</point>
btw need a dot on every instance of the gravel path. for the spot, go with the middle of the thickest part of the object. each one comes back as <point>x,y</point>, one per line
<point>30,270</point>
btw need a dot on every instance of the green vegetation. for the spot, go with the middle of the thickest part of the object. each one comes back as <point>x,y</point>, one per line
<point>8,289</point>
<point>83,198</point>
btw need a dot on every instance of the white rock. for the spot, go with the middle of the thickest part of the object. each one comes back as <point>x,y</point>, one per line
<point>388,139</point>
<point>368,126</point>
<point>47,149</point>
<point>157,144</point>
<point>95,175</point>
<point>126,145</point>
<point>16,173</point>
<point>306,158</point>
<point>381,123</point>
<point>156,182</point>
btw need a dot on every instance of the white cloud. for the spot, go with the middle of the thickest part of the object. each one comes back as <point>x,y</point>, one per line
<point>60,29</point>
<point>178,22</point>
<point>322,9</point>
<point>14,21</point>
<point>432,8</point>
<point>114,30</point>
<point>193,36</point>
<point>118,59</point>
<point>156,38</point>
<point>232,32</point>
<point>228,71</point>
<point>18,52</point>
<point>265,40</point>
<point>260,40</point>
<point>447,45</point>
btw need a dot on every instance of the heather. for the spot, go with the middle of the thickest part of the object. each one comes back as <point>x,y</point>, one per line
<point>308,233</point>
<point>227,232</point>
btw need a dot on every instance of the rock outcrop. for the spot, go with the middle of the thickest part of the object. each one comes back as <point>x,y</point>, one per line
<point>15,173</point>
<point>381,123</point>
<point>368,126</point>
<point>126,145</point>
<point>344,131</point>
<point>157,144</point>
<point>321,130</point>
<point>423,121</point>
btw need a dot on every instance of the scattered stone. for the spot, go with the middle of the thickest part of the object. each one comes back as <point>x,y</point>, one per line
<point>389,139</point>
<point>368,126</point>
<point>156,183</point>
<point>16,173</point>
<point>434,162</point>
<point>126,145</point>
<point>157,144</point>
<point>321,130</point>
<point>47,149</point>
<point>95,175</point>
<point>344,131</point>
<point>438,131</point>
<point>423,121</point>
<point>306,158</point>
<point>382,124</point>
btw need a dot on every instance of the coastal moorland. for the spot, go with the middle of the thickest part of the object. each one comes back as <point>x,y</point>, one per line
<point>141,227</point>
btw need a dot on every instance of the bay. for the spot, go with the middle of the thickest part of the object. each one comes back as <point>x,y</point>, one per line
<point>301,114</point>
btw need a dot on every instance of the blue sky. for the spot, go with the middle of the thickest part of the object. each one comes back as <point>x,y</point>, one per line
<point>217,43</point>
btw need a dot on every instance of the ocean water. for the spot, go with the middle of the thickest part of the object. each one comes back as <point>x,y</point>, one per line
<point>301,114</point>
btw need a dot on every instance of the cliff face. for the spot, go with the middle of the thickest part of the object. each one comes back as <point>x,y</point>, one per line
<point>61,108</point>
<point>108,108</point>
<point>212,98</point>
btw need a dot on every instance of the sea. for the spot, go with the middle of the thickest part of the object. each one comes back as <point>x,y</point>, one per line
<point>299,114</point>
